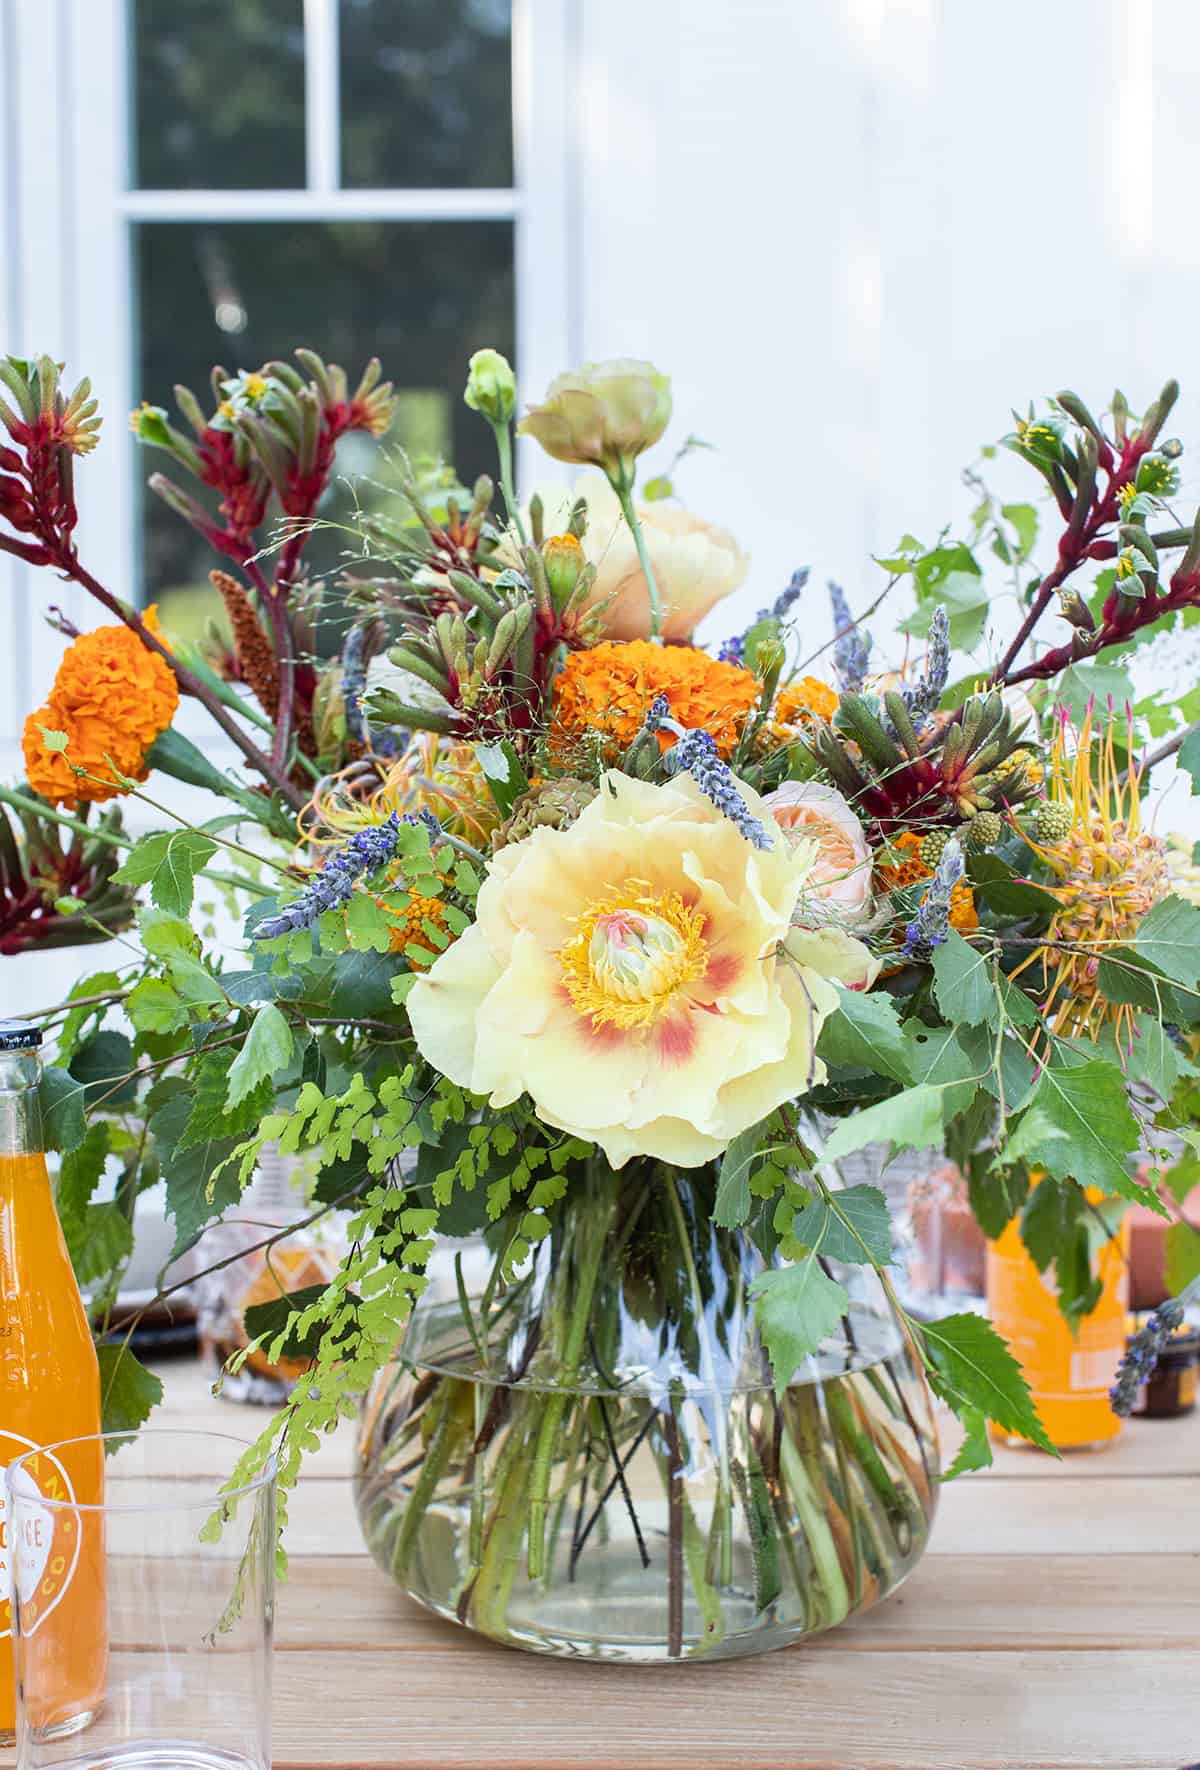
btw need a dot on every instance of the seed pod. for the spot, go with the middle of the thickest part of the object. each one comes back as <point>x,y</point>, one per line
<point>1052,822</point>
<point>984,830</point>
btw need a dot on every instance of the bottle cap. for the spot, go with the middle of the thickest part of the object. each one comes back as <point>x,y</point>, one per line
<point>19,1035</point>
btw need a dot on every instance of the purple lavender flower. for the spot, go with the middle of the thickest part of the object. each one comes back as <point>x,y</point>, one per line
<point>696,754</point>
<point>931,924</point>
<point>733,651</point>
<point>365,852</point>
<point>926,696</point>
<point>852,647</point>
<point>784,601</point>
<point>1142,1354</point>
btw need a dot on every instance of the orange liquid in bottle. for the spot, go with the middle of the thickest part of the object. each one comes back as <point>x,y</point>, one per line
<point>1069,1374</point>
<point>49,1391</point>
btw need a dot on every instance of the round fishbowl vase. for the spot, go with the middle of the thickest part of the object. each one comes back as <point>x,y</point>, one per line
<point>592,1459</point>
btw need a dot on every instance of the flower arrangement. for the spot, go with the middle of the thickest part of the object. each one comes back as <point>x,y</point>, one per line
<point>567,933</point>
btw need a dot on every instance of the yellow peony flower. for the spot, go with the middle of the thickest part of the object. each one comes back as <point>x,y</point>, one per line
<point>627,974</point>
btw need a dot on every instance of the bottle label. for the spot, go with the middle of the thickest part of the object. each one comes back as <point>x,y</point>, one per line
<point>40,1551</point>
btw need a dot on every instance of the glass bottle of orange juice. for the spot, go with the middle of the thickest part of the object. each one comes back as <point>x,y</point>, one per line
<point>1069,1374</point>
<point>49,1391</point>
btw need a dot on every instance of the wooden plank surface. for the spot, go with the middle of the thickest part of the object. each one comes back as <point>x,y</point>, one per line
<point>1054,1624</point>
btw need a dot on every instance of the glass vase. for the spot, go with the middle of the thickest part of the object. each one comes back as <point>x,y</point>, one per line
<point>591,1459</point>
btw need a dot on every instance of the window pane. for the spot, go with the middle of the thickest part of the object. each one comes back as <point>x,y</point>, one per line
<point>219,94</point>
<point>420,296</point>
<point>426,93</point>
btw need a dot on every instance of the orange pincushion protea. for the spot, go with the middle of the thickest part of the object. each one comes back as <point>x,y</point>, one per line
<point>608,690</point>
<point>112,697</point>
<point>896,875</point>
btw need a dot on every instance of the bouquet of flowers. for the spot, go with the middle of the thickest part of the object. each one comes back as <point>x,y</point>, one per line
<point>593,954</point>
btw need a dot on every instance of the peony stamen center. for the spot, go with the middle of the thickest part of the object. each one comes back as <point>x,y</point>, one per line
<point>632,955</point>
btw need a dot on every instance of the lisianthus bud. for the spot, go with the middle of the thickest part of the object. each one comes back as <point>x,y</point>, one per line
<point>564,559</point>
<point>603,415</point>
<point>491,386</point>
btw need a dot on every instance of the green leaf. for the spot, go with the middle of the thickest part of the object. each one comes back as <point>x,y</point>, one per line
<point>154,1007</point>
<point>128,1391</point>
<point>1024,519</point>
<point>275,1315</point>
<point>104,1065</point>
<point>1189,758</point>
<point>80,1170</point>
<point>184,761</point>
<point>852,1225</point>
<point>98,1241</point>
<point>54,741</point>
<point>211,1115</point>
<point>975,1451</point>
<point>61,1098</point>
<point>267,1049</point>
<point>502,770</point>
<point>796,1309</point>
<point>368,928</point>
<point>911,1120</point>
<point>865,1033</point>
<point>1169,937</point>
<point>962,981</point>
<point>974,1366</point>
<point>187,1172</point>
<point>996,885</point>
<point>963,596</point>
<point>939,1055</point>
<point>169,860</point>
<point>733,1202</point>
<point>1078,1125</point>
<point>1183,1256</point>
<point>1082,683</point>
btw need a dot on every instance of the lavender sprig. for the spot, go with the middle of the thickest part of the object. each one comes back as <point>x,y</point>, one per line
<point>931,924</point>
<point>696,754</point>
<point>733,651</point>
<point>365,852</point>
<point>852,647</point>
<point>1143,1353</point>
<point>926,696</point>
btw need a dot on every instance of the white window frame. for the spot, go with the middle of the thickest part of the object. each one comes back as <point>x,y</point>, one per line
<point>65,121</point>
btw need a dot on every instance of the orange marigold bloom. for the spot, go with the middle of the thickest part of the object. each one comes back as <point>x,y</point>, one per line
<point>112,697</point>
<point>803,699</point>
<point>609,688</point>
<point>895,876</point>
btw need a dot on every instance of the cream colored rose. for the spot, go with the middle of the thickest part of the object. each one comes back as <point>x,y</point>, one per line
<point>627,974</point>
<point>603,415</point>
<point>839,882</point>
<point>695,562</point>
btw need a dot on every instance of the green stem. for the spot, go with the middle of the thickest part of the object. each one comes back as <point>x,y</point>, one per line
<point>723,1503</point>
<point>504,449</point>
<point>592,1239</point>
<point>822,1547</point>
<point>115,838</point>
<point>623,487</point>
<point>437,1455</point>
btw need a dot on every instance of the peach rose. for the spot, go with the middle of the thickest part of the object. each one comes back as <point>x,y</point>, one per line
<point>838,886</point>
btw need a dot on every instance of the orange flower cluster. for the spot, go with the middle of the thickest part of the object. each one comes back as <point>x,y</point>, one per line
<point>609,689</point>
<point>112,697</point>
<point>912,869</point>
<point>804,699</point>
<point>409,922</point>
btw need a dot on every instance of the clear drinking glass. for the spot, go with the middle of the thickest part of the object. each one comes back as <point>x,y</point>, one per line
<point>182,1579</point>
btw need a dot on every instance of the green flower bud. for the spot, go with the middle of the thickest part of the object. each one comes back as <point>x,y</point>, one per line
<point>984,830</point>
<point>491,386</point>
<point>932,846</point>
<point>564,559</point>
<point>1052,823</point>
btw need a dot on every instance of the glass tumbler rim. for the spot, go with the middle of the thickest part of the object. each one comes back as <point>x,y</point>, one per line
<point>261,1482</point>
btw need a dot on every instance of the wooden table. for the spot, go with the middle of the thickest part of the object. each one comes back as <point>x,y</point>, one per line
<point>1054,1624</point>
